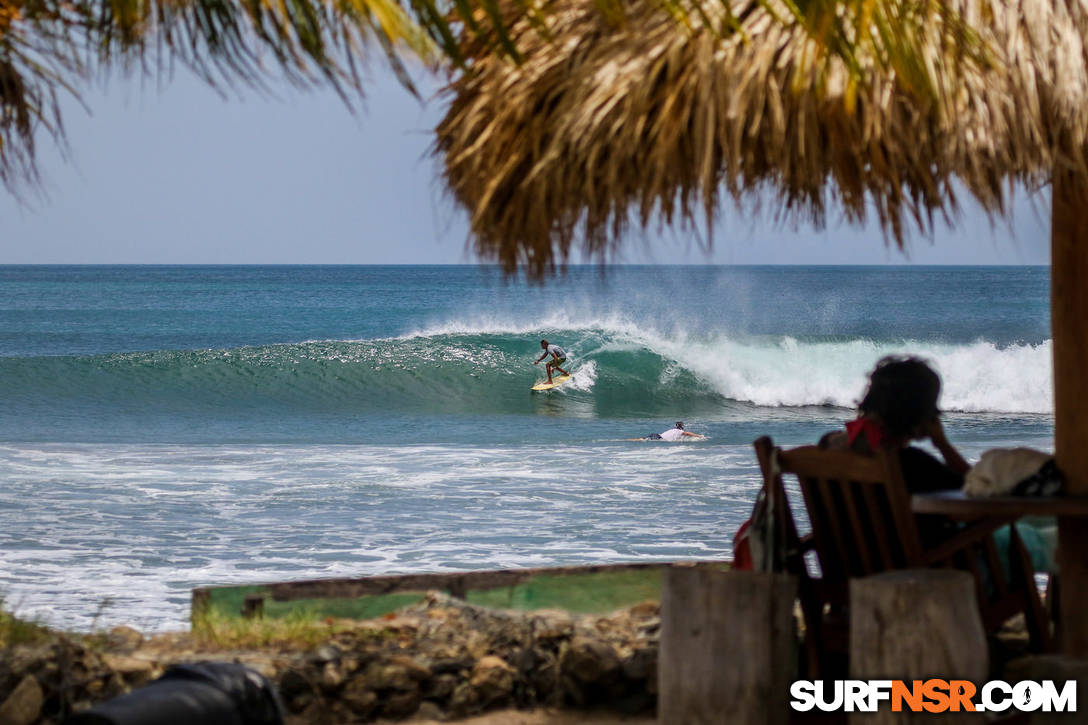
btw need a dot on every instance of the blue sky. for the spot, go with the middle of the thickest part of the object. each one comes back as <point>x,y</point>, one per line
<point>174,173</point>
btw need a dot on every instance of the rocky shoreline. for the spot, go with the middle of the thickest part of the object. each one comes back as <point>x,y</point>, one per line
<point>442,659</point>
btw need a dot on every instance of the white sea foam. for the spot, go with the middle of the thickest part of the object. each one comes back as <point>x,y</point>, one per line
<point>978,377</point>
<point>582,377</point>
<point>98,534</point>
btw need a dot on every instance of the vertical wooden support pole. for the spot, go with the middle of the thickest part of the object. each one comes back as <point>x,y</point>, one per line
<point>916,624</point>
<point>1069,324</point>
<point>253,606</point>
<point>728,651</point>
<point>200,607</point>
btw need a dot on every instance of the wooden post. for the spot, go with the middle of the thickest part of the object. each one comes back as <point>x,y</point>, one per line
<point>200,607</point>
<point>1069,324</point>
<point>253,606</point>
<point>728,648</point>
<point>916,624</point>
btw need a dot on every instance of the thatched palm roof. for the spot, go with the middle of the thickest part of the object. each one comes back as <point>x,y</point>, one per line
<point>606,123</point>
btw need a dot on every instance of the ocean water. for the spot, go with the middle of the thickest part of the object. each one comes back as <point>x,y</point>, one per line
<point>169,427</point>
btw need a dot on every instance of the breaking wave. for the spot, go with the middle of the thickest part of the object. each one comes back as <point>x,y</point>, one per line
<point>626,369</point>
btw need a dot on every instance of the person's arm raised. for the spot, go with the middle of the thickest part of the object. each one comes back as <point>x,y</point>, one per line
<point>952,457</point>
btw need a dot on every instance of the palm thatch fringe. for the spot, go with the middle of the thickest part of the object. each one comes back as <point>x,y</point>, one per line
<point>606,123</point>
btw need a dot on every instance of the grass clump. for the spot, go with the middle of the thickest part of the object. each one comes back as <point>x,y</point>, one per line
<point>15,630</point>
<point>300,628</point>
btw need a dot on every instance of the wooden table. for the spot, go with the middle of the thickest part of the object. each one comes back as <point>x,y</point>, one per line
<point>955,505</point>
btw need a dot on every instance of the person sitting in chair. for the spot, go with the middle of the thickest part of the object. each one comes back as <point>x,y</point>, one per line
<point>899,407</point>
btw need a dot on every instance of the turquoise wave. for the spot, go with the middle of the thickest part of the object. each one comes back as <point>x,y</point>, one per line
<point>619,370</point>
<point>488,373</point>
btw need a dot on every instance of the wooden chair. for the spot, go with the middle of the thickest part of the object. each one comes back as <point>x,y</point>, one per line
<point>792,548</point>
<point>862,524</point>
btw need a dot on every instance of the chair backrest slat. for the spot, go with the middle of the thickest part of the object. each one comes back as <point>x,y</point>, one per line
<point>861,535</point>
<point>826,526</point>
<point>859,510</point>
<point>877,509</point>
<point>899,507</point>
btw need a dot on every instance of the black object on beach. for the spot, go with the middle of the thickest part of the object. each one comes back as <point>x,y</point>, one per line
<point>208,693</point>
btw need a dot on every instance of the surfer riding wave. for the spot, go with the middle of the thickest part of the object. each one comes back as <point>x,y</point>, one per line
<point>559,356</point>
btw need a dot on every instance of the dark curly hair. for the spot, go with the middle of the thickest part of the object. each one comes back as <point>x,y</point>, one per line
<point>902,394</point>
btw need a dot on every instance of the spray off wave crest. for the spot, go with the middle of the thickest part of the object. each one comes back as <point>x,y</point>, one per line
<point>978,377</point>
<point>620,368</point>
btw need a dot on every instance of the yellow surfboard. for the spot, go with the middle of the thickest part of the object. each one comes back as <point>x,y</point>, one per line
<point>557,380</point>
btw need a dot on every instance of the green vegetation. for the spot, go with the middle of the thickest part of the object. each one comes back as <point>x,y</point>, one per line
<point>300,628</point>
<point>226,603</point>
<point>16,631</point>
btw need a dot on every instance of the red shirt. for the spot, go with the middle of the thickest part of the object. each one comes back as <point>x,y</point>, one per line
<point>873,432</point>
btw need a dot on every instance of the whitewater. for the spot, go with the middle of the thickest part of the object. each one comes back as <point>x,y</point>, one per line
<point>172,427</point>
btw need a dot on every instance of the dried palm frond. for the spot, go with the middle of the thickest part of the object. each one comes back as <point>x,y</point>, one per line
<point>37,59</point>
<point>49,47</point>
<point>606,123</point>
